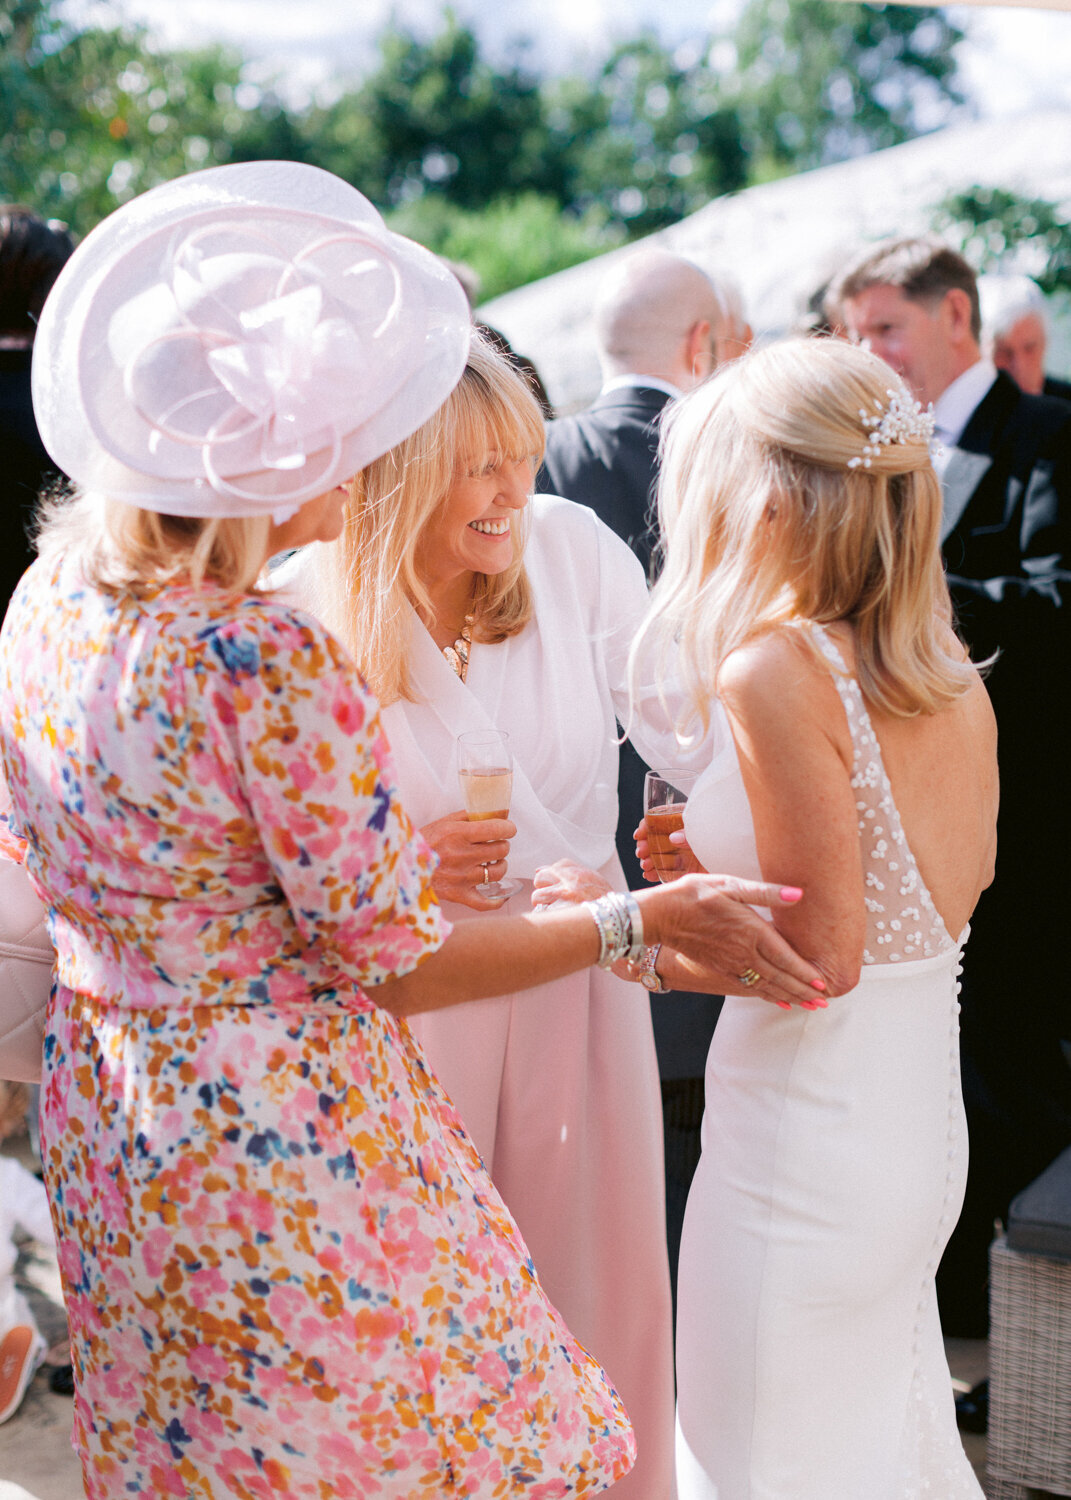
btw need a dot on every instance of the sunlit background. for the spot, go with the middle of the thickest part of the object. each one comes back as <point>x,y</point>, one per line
<point>763,138</point>
<point>1013,58</point>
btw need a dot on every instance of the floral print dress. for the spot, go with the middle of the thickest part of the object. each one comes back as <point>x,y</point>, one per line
<point>287,1272</point>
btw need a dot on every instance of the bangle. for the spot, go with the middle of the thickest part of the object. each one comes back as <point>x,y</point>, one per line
<point>636,947</point>
<point>620,926</point>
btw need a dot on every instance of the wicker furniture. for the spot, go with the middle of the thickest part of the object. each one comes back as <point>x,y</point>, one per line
<point>1029,1446</point>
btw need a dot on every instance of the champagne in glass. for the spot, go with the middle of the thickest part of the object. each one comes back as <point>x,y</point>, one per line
<point>665,796</point>
<point>485,771</point>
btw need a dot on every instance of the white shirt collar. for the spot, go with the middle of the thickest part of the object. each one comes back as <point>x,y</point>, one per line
<point>644,382</point>
<point>953,408</point>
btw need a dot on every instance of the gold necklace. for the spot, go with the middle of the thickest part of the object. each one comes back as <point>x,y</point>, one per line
<point>457,655</point>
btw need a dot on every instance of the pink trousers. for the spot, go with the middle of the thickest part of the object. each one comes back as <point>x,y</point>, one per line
<point>558,1086</point>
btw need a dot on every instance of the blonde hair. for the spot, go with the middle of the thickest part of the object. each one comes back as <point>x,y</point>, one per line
<point>369,576</point>
<point>123,549</point>
<point>765,524</point>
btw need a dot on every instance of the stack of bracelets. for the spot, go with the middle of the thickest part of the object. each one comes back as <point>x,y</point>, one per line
<point>617,916</point>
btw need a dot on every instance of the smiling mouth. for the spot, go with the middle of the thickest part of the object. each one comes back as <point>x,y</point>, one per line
<point>490,528</point>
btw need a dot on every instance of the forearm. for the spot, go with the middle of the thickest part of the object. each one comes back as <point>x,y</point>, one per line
<point>498,955</point>
<point>495,956</point>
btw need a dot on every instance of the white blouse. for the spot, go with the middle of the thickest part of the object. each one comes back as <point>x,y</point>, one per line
<point>558,688</point>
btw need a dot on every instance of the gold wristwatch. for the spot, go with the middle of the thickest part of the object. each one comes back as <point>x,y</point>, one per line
<point>646,972</point>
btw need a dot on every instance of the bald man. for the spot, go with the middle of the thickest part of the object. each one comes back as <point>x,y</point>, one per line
<point>661,326</point>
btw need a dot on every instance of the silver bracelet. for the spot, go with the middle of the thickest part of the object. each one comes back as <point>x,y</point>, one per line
<point>620,925</point>
<point>636,945</point>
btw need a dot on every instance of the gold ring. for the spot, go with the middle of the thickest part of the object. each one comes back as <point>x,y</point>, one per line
<point>749,977</point>
<point>486,873</point>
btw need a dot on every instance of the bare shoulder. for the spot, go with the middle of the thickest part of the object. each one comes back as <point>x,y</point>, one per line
<point>777,675</point>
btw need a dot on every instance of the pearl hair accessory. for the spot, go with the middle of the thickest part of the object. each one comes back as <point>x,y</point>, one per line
<point>902,421</point>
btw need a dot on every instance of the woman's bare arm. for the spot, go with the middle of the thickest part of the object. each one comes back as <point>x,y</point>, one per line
<point>706,917</point>
<point>796,756</point>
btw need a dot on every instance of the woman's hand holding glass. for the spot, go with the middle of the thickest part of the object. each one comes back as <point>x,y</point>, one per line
<point>665,796</point>
<point>485,771</point>
<point>470,854</point>
<point>685,861</point>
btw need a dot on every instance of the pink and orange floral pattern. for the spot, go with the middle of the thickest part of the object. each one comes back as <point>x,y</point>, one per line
<point>286,1269</point>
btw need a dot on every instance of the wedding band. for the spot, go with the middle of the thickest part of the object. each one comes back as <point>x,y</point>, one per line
<point>486,874</point>
<point>749,977</point>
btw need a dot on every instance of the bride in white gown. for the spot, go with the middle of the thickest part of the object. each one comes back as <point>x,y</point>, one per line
<point>803,585</point>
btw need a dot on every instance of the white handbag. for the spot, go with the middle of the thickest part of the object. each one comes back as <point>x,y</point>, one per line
<point>26,961</point>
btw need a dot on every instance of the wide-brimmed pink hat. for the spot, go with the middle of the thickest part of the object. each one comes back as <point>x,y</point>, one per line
<point>240,340</point>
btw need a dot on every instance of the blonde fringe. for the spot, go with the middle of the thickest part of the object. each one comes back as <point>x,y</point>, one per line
<point>368,579</point>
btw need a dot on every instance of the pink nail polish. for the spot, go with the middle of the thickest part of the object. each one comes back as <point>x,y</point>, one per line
<point>790,893</point>
<point>818,984</point>
<point>783,1004</point>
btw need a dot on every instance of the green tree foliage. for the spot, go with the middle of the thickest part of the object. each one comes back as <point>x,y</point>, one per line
<point>815,82</point>
<point>651,140</point>
<point>651,134</point>
<point>517,174</point>
<point>637,146</point>
<point>997,230</point>
<point>510,242</point>
<point>435,117</point>
<point>90,117</point>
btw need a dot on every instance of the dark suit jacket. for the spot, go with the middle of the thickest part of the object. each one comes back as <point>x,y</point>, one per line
<point>1009,568</point>
<point>1054,387</point>
<point>607,458</point>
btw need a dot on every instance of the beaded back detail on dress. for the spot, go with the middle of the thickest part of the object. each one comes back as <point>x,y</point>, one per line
<point>902,923</point>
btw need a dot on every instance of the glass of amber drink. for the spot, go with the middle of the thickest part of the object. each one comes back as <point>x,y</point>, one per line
<point>485,771</point>
<point>665,796</point>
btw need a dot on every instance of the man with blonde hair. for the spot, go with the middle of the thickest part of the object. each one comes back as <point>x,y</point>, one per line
<point>661,326</point>
<point>1015,333</point>
<point>1006,477</point>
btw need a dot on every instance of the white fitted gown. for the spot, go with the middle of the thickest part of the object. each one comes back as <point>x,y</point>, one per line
<point>810,1364</point>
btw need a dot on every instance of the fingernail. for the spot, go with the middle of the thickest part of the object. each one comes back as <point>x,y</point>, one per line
<point>808,1005</point>
<point>788,892</point>
<point>818,984</point>
<point>783,1004</point>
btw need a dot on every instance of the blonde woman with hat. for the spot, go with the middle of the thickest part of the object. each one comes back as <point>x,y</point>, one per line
<point>286,1270</point>
<point>472,606</point>
<point>804,587</point>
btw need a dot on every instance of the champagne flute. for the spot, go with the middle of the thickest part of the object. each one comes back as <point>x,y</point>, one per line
<point>485,771</point>
<point>665,796</point>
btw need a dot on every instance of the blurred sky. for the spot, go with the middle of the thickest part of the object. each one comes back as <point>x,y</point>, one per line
<point>1014,59</point>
